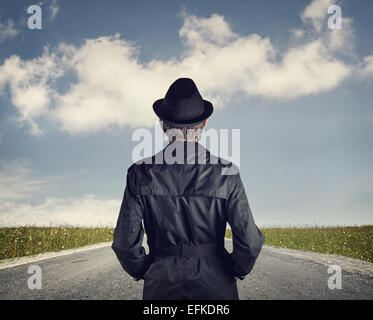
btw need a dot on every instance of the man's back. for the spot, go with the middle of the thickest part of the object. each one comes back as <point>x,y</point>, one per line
<point>185,197</point>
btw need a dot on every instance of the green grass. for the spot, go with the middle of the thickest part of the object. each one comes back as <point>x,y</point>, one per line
<point>354,242</point>
<point>25,241</point>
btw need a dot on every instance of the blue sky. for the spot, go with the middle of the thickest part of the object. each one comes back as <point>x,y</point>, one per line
<point>72,94</point>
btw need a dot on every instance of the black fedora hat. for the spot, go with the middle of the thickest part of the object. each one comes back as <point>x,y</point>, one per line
<point>183,104</point>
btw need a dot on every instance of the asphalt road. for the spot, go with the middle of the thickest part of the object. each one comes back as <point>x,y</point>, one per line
<point>278,274</point>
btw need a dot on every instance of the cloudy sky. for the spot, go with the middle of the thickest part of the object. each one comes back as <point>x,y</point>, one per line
<point>72,93</point>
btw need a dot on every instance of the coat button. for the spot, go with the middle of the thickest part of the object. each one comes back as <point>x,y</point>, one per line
<point>184,260</point>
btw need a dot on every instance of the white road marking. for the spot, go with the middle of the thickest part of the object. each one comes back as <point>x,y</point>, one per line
<point>9,263</point>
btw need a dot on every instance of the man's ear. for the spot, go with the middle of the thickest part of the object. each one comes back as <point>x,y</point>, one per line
<point>205,123</point>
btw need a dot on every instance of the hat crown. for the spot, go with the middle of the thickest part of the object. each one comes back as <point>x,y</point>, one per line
<point>182,88</point>
<point>183,104</point>
<point>183,100</point>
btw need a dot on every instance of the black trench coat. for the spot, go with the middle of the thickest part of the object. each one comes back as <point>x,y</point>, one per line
<point>183,206</point>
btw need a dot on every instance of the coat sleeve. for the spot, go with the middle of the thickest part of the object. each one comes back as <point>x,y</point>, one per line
<point>247,238</point>
<point>129,232</point>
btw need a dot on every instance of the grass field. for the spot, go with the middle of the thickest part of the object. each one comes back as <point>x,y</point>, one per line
<point>25,241</point>
<point>354,242</point>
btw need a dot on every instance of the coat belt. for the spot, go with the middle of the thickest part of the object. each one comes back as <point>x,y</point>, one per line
<point>184,250</point>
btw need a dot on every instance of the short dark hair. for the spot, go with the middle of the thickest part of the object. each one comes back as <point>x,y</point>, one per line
<point>188,133</point>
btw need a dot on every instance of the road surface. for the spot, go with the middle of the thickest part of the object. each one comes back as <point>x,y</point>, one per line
<point>279,274</point>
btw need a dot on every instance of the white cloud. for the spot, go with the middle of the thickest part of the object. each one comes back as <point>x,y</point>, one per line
<point>111,87</point>
<point>88,211</point>
<point>201,34</point>
<point>297,33</point>
<point>7,30</point>
<point>31,85</point>
<point>341,40</point>
<point>315,17</point>
<point>366,67</point>
<point>19,184</point>
<point>315,13</point>
<point>54,8</point>
<point>17,180</point>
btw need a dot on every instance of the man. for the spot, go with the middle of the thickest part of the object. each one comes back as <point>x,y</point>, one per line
<point>185,199</point>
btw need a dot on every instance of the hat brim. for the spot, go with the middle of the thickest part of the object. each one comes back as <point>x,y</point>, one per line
<point>157,107</point>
